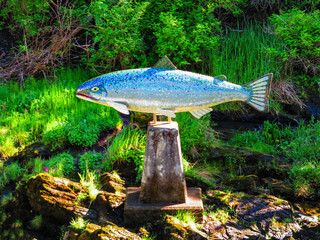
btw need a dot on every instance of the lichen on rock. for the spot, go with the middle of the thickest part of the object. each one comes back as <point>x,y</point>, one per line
<point>107,230</point>
<point>173,228</point>
<point>55,197</point>
<point>111,182</point>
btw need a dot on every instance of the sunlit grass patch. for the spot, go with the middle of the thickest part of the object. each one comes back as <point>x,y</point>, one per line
<point>79,223</point>
<point>49,110</point>
<point>90,181</point>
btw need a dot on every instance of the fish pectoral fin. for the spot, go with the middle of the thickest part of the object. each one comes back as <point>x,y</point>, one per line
<point>119,107</point>
<point>165,112</point>
<point>200,112</point>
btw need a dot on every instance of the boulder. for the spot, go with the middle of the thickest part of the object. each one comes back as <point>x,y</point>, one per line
<point>280,188</point>
<point>264,215</point>
<point>107,230</point>
<point>106,202</point>
<point>244,183</point>
<point>111,182</point>
<point>55,197</point>
<point>173,229</point>
<point>249,162</point>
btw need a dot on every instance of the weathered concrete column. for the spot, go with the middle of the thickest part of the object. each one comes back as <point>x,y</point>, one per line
<point>163,178</point>
<point>163,187</point>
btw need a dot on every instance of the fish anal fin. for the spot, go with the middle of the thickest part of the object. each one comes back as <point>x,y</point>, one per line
<point>120,107</point>
<point>200,112</point>
<point>165,63</point>
<point>165,112</point>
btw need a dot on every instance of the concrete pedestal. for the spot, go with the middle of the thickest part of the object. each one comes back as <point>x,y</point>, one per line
<point>163,177</point>
<point>163,187</point>
<point>137,213</point>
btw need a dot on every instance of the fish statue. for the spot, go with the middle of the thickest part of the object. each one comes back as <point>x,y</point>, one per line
<point>165,90</point>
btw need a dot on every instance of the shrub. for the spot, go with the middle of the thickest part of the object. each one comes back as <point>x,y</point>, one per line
<point>66,161</point>
<point>300,32</point>
<point>196,135</point>
<point>117,33</point>
<point>13,170</point>
<point>55,135</point>
<point>89,161</point>
<point>181,34</point>
<point>85,130</point>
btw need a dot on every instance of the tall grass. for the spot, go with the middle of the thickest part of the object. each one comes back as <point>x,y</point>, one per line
<point>243,57</point>
<point>243,54</point>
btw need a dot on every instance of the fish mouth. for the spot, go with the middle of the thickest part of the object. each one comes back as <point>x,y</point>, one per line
<point>82,95</point>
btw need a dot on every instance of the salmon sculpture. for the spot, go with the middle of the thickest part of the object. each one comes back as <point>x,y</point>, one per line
<point>164,90</point>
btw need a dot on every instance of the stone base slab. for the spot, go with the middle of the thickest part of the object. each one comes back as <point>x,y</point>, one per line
<point>136,213</point>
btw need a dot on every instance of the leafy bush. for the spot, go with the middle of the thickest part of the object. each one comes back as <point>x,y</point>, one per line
<point>46,31</point>
<point>28,15</point>
<point>81,129</point>
<point>304,142</point>
<point>55,135</point>
<point>89,161</point>
<point>196,135</point>
<point>117,33</point>
<point>305,177</point>
<point>300,32</point>
<point>65,163</point>
<point>183,34</point>
<point>13,171</point>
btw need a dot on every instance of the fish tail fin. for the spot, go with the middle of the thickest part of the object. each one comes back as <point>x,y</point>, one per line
<point>259,92</point>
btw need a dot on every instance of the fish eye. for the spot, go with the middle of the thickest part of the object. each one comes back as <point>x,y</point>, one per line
<point>95,89</point>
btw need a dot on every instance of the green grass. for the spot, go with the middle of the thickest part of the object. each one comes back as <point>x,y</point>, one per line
<point>300,145</point>
<point>243,57</point>
<point>48,110</point>
<point>79,223</point>
<point>243,54</point>
<point>36,222</point>
<point>90,181</point>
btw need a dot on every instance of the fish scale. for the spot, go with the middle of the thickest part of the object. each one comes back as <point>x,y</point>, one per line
<point>166,90</point>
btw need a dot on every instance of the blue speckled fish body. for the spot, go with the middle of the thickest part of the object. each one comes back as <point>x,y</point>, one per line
<point>165,90</point>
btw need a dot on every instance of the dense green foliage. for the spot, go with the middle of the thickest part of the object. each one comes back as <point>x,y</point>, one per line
<point>210,37</point>
<point>301,145</point>
<point>300,32</point>
<point>89,161</point>
<point>50,112</point>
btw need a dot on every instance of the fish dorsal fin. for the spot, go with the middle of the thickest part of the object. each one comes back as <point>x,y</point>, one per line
<point>200,112</point>
<point>165,63</point>
<point>119,107</point>
<point>222,77</point>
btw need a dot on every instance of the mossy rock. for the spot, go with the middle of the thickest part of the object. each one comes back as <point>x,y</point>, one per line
<point>105,231</point>
<point>174,229</point>
<point>280,188</point>
<point>55,197</point>
<point>242,182</point>
<point>111,182</point>
<point>106,202</point>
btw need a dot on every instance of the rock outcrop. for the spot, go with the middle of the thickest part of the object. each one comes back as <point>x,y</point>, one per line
<point>100,232</point>
<point>256,217</point>
<point>55,197</point>
<point>174,229</point>
<point>111,182</point>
